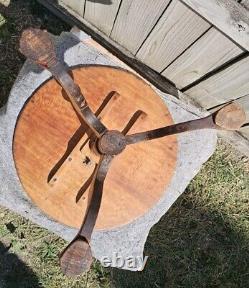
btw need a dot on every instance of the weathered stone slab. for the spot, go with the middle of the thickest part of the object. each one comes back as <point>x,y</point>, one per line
<point>128,241</point>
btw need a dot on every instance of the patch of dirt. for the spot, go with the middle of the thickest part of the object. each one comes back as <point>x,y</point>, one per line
<point>17,16</point>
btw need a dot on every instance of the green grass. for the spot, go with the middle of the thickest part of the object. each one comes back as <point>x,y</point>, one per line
<point>29,257</point>
<point>202,241</point>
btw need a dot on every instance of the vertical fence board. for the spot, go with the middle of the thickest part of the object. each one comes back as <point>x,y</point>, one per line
<point>178,28</point>
<point>76,5</point>
<point>210,51</point>
<point>231,83</point>
<point>102,14</point>
<point>135,20</point>
<point>227,15</point>
<point>176,41</point>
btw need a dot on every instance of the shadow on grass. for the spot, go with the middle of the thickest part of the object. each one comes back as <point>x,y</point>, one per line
<point>14,273</point>
<point>191,247</point>
<point>14,18</point>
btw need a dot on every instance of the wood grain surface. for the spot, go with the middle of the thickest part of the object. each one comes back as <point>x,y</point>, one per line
<point>176,30</point>
<point>228,16</point>
<point>228,84</point>
<point>209,52</point>
<point>75,5</point>
<point>102,15</point>
<point>135,20</point>
<point>48,127</point>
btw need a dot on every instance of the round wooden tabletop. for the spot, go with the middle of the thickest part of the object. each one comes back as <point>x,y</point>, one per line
<point>54,160</point>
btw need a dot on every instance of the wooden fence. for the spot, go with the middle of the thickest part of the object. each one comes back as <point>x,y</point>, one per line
<point>173,38</point>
